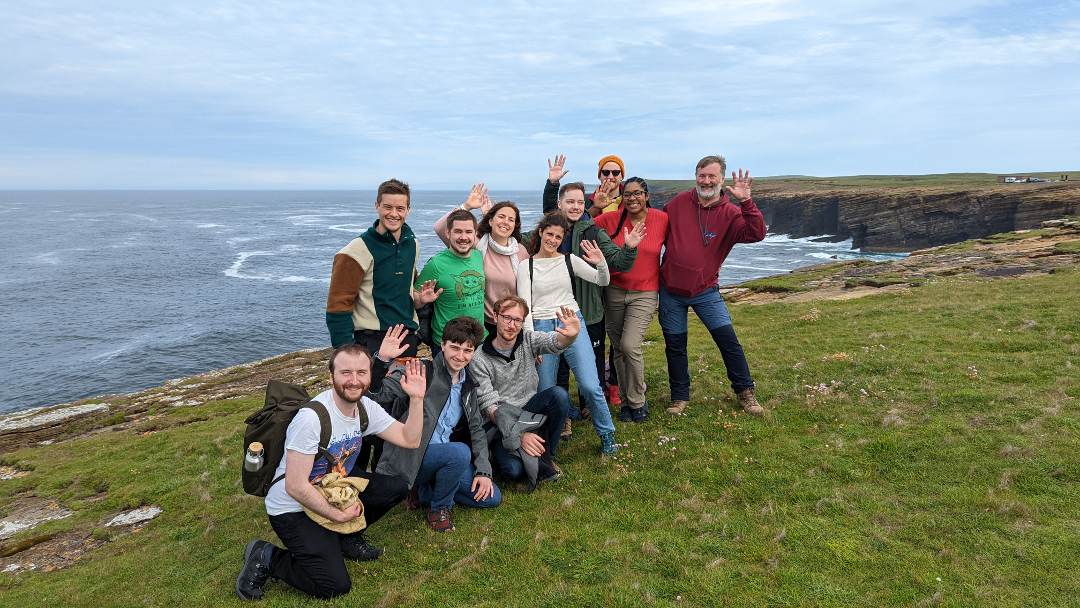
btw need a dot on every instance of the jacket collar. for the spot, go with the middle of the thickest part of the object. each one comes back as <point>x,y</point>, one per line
<point>386,237</point>
<point>694,197</point>
<point>489,347</point>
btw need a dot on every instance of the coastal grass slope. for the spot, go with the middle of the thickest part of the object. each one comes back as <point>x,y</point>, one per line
<point>807,183</point>
<point>921,450</point>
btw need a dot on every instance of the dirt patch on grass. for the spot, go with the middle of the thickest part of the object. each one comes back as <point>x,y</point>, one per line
<point>53,553</point>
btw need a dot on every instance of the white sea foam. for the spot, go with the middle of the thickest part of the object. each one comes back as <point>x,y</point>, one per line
<point>234,270</point>
<point>353,228</point>
<point>765,259</point>
<point>757,268</point>
<point>316,219</point>
<point>52,257</point>
<point>210,226</point>
<point>300,279</point>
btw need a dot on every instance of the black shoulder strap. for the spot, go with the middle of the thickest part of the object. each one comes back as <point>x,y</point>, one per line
<point>325,432</point>
<point>570,269</point>
<point>531,300</point>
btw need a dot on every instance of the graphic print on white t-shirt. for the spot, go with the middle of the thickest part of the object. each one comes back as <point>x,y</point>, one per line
<point>345,440</point>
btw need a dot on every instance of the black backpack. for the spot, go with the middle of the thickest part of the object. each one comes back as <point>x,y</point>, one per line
<point>268,426</point>
<point>424,332</point>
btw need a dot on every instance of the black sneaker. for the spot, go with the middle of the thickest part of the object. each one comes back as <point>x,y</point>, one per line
<point>256,570</point>
<point>641,414</point>
<point>625,415</point>
<point>356,547</point>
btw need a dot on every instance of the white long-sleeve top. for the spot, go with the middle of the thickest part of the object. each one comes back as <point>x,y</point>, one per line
<point>551,288</point>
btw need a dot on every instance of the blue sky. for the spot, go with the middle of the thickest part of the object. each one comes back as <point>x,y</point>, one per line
<point>302,95</point>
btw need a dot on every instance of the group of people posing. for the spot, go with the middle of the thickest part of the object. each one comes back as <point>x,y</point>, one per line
<point>511,312</point>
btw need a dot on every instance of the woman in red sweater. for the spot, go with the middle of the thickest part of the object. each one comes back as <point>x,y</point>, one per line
<point>630,299</point>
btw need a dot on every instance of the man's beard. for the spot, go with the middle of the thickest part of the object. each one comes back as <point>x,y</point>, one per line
<point>707,194</point>
<point>339,390</point>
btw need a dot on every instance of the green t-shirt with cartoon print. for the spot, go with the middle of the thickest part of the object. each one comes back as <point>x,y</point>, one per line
<point>462,282</point>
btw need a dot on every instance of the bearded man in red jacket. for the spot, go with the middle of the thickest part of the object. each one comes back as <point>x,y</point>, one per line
<point>704,224</point>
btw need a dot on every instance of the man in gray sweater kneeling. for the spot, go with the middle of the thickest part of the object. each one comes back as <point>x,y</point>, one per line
<point>528,423</point>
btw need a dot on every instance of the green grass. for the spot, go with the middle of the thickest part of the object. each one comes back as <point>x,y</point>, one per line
<point>1067,247</point>
<point>959,463</point>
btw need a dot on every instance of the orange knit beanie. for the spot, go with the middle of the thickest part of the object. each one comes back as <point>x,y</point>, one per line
<point>612,159</point>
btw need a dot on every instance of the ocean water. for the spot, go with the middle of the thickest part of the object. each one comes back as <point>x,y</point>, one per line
<point>112,292</point>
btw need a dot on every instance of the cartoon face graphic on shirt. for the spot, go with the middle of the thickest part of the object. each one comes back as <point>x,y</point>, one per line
<point>469,283</point>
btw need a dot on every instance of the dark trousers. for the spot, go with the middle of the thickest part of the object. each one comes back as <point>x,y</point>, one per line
<point>596,338</point>
<point>738,372</point>
<point>371,449</point>
<point>311,560</point>
<point>553,403</point>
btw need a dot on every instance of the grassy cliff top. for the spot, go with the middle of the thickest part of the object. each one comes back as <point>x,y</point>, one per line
<point>802,183</point>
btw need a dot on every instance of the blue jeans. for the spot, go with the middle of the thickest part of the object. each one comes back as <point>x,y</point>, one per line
<point>446,477</point>
<point>553,403</point>
<point>710,308</point>
<point>582,362</point>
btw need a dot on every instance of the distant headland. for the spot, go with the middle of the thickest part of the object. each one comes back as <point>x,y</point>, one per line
<point>905,212</point>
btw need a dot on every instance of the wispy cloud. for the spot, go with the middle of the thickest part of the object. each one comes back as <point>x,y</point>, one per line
<point>345,94</point>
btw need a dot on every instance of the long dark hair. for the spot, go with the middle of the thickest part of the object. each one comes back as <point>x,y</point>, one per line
<point>485,223</point>
<point>552,218</point>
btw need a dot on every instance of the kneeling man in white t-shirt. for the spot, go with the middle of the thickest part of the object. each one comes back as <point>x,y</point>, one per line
<point>313,559</point>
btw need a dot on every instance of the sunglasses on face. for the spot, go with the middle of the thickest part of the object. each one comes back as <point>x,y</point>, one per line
<point>610,172</point>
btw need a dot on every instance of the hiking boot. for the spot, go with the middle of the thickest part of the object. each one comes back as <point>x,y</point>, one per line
<point>256,570</point>
<point>584,409</point>
<point>749,403</point>
<point>412,503</point>
<point>356,547</point>
<point>567,430</point>
<point>625,415</point>
<point>607,444</point>
<point>641,414</point>
<point>613,396</point>
<point>677,406</point>
<point>440,520</point>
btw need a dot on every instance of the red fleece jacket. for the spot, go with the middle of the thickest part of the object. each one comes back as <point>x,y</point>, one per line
<point>690,266</point>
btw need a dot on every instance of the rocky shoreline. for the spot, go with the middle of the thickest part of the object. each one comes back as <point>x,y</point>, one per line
<point>1011,256</point>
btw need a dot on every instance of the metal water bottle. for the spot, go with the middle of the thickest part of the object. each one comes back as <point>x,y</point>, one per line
<point>253,461</point>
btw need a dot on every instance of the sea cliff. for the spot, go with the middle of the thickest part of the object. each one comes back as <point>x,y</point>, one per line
<point>903,217</point>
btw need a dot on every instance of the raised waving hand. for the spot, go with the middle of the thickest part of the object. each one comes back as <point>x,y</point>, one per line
<point>427,293</point>
<point>634,237</point>
<point>555,171</point>
<point>476,197</point>
<point>391,347</point>
<point>571,325</point>
<point>414,382</point>
<point>590,252</point>
<point>740,187</point>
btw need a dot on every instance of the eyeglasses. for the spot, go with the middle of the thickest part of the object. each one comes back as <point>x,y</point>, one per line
<point>635,193</point>
<point>511,320</point>
<point>610,172</point>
